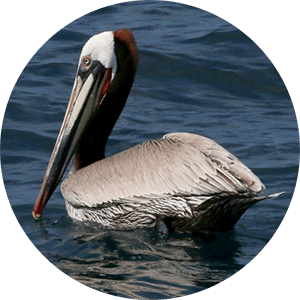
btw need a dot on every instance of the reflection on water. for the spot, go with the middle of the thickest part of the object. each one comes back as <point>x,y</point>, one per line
<point>139,264</point>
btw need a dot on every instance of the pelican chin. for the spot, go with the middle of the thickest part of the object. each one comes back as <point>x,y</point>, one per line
<point>183,180</point>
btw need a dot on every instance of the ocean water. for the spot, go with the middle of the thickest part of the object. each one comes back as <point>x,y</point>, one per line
<point>196,73</point>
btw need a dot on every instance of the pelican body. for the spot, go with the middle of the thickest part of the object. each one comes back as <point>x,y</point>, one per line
<point>186,181</point>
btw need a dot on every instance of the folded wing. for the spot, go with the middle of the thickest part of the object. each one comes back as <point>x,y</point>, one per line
<point>177,164</point>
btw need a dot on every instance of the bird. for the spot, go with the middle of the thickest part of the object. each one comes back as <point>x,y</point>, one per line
<point>182,181</point>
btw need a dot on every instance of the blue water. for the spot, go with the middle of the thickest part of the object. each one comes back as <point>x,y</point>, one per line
<point>196,73</point>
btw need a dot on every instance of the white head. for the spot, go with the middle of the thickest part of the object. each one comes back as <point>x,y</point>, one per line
<point>101,47</point>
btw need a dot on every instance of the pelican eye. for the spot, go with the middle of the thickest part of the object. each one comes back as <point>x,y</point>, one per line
<point>86,61</point>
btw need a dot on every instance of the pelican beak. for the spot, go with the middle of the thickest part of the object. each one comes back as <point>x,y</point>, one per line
<point>89,90</point>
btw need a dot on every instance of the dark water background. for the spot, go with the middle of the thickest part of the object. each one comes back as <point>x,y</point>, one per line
<point>196,73</point>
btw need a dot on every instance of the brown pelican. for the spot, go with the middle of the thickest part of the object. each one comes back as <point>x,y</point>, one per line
<point>184,180</point>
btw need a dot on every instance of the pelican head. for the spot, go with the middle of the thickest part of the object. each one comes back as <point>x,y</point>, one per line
<point>105,74</point>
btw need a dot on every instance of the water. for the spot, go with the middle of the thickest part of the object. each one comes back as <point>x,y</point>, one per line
<point>196,73</point>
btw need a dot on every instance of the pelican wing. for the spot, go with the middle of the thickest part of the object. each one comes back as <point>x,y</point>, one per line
<point>176,164</point>
<point>221,157</point>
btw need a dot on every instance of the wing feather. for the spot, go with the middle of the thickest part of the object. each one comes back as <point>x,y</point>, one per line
<point>179,163</point>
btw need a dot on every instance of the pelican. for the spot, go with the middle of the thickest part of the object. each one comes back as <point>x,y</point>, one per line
<point>182,181</point>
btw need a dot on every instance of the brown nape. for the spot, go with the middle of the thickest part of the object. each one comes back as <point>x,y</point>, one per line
<point>92,144</point>
<point>125,36</point>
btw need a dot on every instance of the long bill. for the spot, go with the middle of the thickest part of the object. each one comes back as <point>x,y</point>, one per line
<point>87,94</point>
